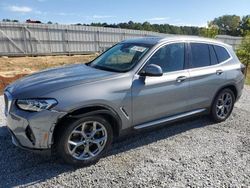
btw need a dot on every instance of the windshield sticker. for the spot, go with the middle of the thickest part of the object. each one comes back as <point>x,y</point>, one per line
<point>138,48</point>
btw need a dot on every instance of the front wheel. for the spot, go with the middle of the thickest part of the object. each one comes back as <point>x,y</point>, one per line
<point>223,105</point>
<point>85,140</point>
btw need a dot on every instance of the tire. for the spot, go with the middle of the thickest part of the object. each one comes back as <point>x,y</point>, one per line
<point>222,107</point>
<point>75,143</point>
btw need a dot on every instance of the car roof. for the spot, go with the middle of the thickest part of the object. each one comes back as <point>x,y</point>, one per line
<point>144,40</point>
<point>172,38</point>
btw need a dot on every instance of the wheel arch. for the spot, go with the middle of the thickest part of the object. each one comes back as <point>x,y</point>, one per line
<point>103,110</point>
<point>228,86</point>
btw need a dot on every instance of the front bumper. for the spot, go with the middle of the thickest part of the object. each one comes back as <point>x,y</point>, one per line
<point>31,130</point>
<point>16,142</point>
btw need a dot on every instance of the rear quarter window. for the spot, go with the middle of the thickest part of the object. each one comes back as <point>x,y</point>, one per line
<point>221,53</point>
<point>200,55</point>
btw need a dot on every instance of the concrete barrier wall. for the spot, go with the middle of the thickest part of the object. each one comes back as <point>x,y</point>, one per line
<point>25,39</point>
<point>233,41</point>
<point>20,39</point>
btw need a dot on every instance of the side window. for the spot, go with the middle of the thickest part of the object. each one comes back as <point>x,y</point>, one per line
<point>213,56</point>
<point>221,53</point>
<point>200,55</point>
<point>170,57</point>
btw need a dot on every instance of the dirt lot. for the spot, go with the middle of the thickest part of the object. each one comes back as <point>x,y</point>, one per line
<point>192,153</point>
<point>14,68</point>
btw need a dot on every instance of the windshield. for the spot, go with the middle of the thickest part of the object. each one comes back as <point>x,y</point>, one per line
<point>120,58</point>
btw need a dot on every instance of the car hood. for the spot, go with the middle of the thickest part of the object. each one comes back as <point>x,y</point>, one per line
<point>46,81</point>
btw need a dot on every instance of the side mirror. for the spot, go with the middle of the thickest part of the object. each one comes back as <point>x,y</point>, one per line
<point>151,70</point>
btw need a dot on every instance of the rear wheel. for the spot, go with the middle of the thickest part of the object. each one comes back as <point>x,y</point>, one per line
<point>84,141</point>
<point>223,105</point>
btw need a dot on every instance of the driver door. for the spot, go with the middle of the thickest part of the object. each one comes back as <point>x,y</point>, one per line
<point>159,97</point>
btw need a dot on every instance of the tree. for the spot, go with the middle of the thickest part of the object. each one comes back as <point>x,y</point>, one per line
<point>211,32</point>
<point>9,20</point>
<point>243,52</point>
<point>6,20</point>
<point>245,25</point>
<point>228,24</point>
<point>147,26</point>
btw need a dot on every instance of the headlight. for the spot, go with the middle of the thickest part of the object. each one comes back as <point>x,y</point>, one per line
<point>36,105</point>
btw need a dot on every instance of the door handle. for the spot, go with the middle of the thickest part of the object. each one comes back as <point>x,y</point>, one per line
<point>219,72</point>
<point>181,79</point>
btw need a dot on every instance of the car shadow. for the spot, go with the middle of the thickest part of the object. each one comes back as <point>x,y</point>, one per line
<point>18,167</point>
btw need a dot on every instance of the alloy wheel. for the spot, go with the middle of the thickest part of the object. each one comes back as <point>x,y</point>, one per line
<point>224,105</point>
<point>87,140</point>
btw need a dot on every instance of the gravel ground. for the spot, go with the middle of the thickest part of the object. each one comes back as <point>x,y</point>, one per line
<point>194,153</point>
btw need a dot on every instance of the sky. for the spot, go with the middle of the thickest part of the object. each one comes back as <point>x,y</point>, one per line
<point>175,12</point>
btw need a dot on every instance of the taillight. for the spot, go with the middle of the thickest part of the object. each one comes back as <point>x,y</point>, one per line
<point>243,69</point>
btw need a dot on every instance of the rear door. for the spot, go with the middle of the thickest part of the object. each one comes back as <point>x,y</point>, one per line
<point>206,75</point>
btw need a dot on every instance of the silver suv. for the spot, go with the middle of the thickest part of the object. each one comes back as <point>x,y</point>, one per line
<point>139,83</point>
